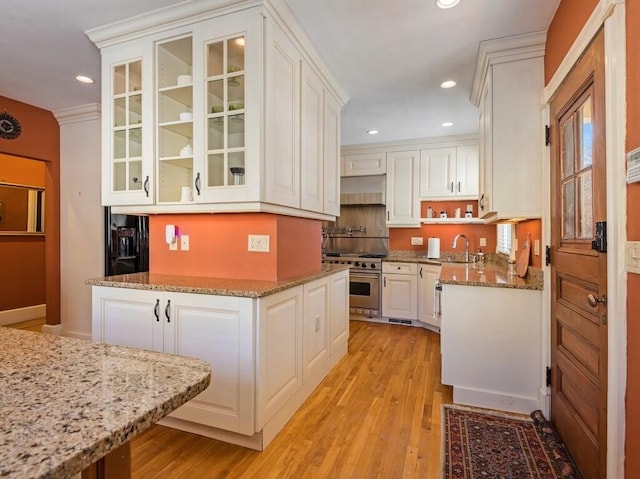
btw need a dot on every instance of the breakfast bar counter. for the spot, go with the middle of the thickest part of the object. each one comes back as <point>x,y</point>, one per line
<point>66,403</point>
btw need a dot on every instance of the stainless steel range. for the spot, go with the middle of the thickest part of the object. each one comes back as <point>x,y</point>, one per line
<point>364,282</point>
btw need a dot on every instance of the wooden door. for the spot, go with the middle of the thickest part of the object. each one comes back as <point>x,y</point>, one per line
<point>578,272</point>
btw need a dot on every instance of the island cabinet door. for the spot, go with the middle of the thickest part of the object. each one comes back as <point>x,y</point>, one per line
<point>339,313</point>
<point>315,331</point>
<point>127,317</point>
<point>219,330</point>
<point>279,361</point>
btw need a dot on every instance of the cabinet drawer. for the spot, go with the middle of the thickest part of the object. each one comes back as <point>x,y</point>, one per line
<point>399,268</point>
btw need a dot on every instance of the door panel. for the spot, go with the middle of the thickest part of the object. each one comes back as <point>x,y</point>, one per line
<point>579,331</point>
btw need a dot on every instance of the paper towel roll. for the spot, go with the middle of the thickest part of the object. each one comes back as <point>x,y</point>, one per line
<point>433,248</point>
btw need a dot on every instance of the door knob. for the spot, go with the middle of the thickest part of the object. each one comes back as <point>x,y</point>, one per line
<point>593,301</point>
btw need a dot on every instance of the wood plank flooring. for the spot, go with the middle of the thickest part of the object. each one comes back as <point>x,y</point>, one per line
<point>377,415</point>
<point>31,325</point>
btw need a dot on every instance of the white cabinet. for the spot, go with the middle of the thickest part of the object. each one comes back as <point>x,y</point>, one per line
<point>428,310</point>
<point>507,87</point>
<point>228,107</point>
<point>267,355</point>
<point>364,164</point>
<point>211,328</point>
<point>490,343</point>
<point>399,290</point>
<point>449,173</point>
<point>279,372</point>
<point>319,145</point>
<point>402,199</point>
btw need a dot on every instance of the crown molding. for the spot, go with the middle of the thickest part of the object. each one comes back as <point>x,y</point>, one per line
<point>77,114</point>
<point>502,50</point>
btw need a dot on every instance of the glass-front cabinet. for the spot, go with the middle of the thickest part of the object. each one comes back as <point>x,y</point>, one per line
<point>127,176</point>
<point>174,109</point>
<point>203,115</point>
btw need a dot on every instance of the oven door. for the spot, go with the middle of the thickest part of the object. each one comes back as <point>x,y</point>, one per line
<point>364,290</point>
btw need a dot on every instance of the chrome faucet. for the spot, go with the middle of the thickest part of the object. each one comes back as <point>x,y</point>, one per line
<point>466,246</point>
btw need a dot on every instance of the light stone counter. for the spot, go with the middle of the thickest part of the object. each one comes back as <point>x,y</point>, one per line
<point>492,275</point>
<point>245,288</point>
<point>65,403</point>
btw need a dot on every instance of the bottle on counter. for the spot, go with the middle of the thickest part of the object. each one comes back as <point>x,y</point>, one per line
<point>480,258</point>
<point>429,212</point>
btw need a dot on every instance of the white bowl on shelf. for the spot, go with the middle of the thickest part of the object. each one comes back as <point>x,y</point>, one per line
<point>186,116</point>
<point>183,80</point>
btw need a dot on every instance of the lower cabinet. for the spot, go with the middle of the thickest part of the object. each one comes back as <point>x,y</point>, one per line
<point>490,344</point>
<point>428,310</point>
<point>399,290</point>
<point>266,355</point>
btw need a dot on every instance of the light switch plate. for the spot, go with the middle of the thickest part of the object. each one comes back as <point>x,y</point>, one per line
<point>632,257</point>
<point>536,247</point>
<point>417,240</point>
<point>483,241</point>
<point>259,243</point>
<point>184,242</point>
<point>173,246</point>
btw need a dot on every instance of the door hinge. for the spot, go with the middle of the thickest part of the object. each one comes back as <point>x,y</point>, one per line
<point>547,255</point>
<point>548,376</point>
<point>547,135</point>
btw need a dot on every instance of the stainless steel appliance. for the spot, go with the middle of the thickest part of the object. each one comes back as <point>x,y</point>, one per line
<point>365,273</point>
<point>360,238</point>
<point>126,243</point>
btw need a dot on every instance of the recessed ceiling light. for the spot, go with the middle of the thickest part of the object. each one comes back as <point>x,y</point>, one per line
<point>447,3</point>
<point>448,84</point>
<point>447,123</point>
<point>240,41</point>
<point>372,132</point>
<point>84,79</point>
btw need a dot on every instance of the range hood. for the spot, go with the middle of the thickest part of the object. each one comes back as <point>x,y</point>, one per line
<point>362,190</point>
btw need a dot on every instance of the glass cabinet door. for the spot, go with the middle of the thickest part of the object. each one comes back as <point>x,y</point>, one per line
<point>175,119</point>
<point>225,97</point>
<point>126,151</point>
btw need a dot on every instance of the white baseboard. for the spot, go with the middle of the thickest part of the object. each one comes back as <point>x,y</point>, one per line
<point>73,334</point>
<point>55,329</point>
<point>495,400</point>
<point>19,315</point>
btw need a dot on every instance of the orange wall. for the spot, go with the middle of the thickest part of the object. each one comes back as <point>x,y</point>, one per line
<point>534,228</point>
<point>39,140</point>
<point>568,21</point>
<point>218,246</point>
<point>23,268</point>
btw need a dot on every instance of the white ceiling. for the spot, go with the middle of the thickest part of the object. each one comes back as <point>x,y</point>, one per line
<point>390,56</point>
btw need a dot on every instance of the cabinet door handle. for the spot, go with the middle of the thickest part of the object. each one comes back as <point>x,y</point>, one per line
<point>421,271</point>
<point>458,187</point>
<point>452,187</point>
<point>387,215</point>
<point>156,310</point>
<point>146,186</point>
<point>384,281</point>
<point>167,311</point>
<point>197,184</point>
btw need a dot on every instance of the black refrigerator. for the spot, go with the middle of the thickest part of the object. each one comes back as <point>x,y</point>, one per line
<point>126,243</point>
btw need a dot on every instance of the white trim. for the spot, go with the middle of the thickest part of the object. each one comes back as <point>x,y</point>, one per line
<point>20,315</point>
<point>615,94</point>
<point>55,329</point>
<point>413,144</point>
<point>77,114</point>
<point>611,13</point>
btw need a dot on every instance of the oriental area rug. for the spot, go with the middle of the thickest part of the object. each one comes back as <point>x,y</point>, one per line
<point>483,444</point>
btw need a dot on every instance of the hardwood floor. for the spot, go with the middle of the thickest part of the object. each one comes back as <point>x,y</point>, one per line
<point>31,325</point>
<point>377,415</point>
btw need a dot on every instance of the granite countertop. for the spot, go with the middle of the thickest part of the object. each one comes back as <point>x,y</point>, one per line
<point>492,275</point>
<point>246,288</point>
<point>65,403</point>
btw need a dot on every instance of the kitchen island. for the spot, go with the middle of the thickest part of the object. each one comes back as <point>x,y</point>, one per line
<point>269,343</point>
<point>66,403</point>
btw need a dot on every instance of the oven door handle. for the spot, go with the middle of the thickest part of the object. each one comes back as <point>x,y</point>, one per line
<point>362,274</point>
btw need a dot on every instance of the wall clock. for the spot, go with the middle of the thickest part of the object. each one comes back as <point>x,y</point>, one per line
<point>9,127</point>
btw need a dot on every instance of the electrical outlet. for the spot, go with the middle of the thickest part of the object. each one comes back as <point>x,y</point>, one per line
<point>483,241</point>
<point>417,240</point>
<point>184,242</point>
<point>536,247</point>
<point>259,243</point>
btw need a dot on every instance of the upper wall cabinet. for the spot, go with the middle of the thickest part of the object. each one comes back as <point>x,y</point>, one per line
<point>218,110</point>
<point>507,86</point>
<point>364,164</point>
<point>449,173</point>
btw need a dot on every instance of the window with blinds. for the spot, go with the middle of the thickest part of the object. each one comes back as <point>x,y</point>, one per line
<point>505,238</point>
